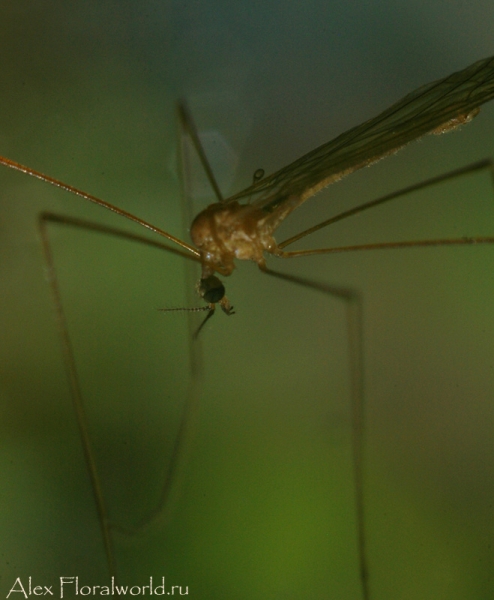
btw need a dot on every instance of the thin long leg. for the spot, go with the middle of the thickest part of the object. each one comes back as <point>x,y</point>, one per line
<point>191,409</point>
<point>179,455</point>
<point>107,230</point>
<point>77,401</point>
<point>358,418</point>
<point>469,169</point>
<point>465,241</point>
<point>68,188</point>
<point>187,125</point>
<point>353,303</point>
<point>183,434</point>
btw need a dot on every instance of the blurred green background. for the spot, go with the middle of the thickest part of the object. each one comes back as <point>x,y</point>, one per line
<point>265,507</point>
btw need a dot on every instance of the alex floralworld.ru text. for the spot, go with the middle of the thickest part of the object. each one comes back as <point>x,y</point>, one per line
<point>70,585</point>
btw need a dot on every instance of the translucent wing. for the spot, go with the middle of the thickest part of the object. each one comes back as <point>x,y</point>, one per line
<point>433,108</point>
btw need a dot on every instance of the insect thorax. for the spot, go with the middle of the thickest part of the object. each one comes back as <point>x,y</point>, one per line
<point>226,231</point>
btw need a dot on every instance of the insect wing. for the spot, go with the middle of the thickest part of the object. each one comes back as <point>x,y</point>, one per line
<point>433,108</point>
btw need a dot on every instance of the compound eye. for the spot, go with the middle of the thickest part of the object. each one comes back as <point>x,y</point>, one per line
<point>211,289</point>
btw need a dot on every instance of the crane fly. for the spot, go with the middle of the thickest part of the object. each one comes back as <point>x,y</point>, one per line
<point>242,227</point>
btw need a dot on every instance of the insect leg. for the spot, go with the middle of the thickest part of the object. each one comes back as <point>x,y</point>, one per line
<point>469,169</point>
<point>174,470</point>
<point>353,305</point>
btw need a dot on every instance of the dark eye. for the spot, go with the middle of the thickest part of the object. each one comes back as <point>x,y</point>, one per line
<point>211,289</point>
